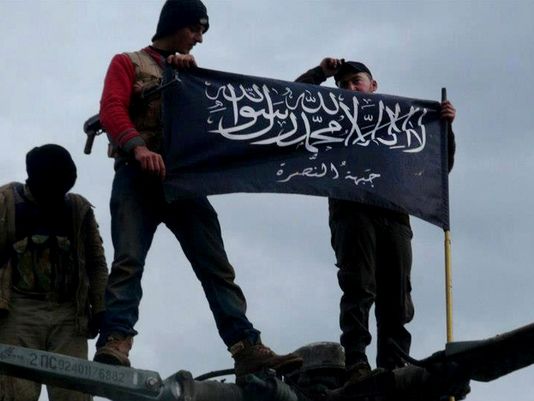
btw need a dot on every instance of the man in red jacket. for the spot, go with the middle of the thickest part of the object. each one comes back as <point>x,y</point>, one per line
<point>138,205</point>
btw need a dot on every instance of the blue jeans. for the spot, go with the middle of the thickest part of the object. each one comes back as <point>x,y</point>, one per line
<point>138,206</point>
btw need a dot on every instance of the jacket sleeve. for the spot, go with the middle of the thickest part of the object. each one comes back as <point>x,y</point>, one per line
<point>7,221</point>
<point>5,270</point>
<point>95,263</point>
<point>314,76</point>
<point>4,253</point>
<point>115,104</point>
<point>451,146</point>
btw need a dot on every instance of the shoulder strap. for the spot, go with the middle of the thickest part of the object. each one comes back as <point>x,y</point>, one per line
<point>143,62</point>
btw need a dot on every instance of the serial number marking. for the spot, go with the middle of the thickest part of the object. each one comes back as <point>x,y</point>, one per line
<point>61,365</point>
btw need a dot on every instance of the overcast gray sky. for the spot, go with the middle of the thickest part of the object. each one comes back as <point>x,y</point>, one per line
<point>55,55</point>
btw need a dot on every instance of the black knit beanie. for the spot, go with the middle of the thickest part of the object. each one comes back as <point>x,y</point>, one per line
<point>177,14</point>
<point>51,172</point>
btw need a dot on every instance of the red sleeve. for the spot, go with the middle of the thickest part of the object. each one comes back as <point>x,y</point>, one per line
<point>115,102</point>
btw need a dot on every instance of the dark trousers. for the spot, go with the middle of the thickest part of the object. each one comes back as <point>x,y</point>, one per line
<point>137,208</point>
<point>374,257</point>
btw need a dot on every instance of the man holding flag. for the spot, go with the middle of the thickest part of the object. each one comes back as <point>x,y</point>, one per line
<point>373,250</point>
<point>138,204</point>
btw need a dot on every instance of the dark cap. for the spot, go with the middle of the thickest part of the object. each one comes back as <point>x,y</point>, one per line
<point>351,67</point>
<point>177,14</point>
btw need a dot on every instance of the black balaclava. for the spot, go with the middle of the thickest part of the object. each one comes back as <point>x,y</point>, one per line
<point>177,14</point>
<point>51,174</point>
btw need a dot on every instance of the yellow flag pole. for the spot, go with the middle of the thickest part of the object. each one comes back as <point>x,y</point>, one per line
<point>448,267</point>
<point>448,288</point>
<point>448,284</point>
<point>448,264</point>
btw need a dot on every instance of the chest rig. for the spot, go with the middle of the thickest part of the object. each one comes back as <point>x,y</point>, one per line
<point>42,257</point>
<point>146,113</point>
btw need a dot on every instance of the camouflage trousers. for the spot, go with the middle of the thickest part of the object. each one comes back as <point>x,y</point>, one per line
<point>43,325</point>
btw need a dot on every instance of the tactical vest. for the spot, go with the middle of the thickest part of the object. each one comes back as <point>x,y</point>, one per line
<point>43,263</point>
<point>44,266</point>
<point>146,113</point>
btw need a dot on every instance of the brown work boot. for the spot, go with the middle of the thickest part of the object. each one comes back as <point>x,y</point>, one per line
<point>251,358</point>
<point>115,351</point>
<point>357,372</point>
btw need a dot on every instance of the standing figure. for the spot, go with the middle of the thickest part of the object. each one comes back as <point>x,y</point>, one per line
<point>138,204</point>
<point>373,250</point>
<point>53,271</point>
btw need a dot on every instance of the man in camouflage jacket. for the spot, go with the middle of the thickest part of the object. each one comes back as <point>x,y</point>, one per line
<point>52,268</point>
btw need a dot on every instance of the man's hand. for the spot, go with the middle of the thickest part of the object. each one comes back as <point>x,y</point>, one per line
<point>151,162</point>
<point>182,61</point>
<point>448,112</point>
<point>330,66</point>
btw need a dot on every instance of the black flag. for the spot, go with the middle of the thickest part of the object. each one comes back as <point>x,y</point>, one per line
<point>234,133</point>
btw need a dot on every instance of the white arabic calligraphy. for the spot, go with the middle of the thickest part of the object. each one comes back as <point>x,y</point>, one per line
<point>369,179</point>
<point>252,113</point>
<point>330,170</point>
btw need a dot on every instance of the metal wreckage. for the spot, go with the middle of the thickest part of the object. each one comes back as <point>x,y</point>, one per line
<point>444,374</point>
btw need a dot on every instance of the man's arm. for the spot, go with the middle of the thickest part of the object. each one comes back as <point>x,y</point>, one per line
<point>95,263</point>
<point>114,115</point>
<point>319,74</point>
<point>115,104</point>
<point>7,214</point>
